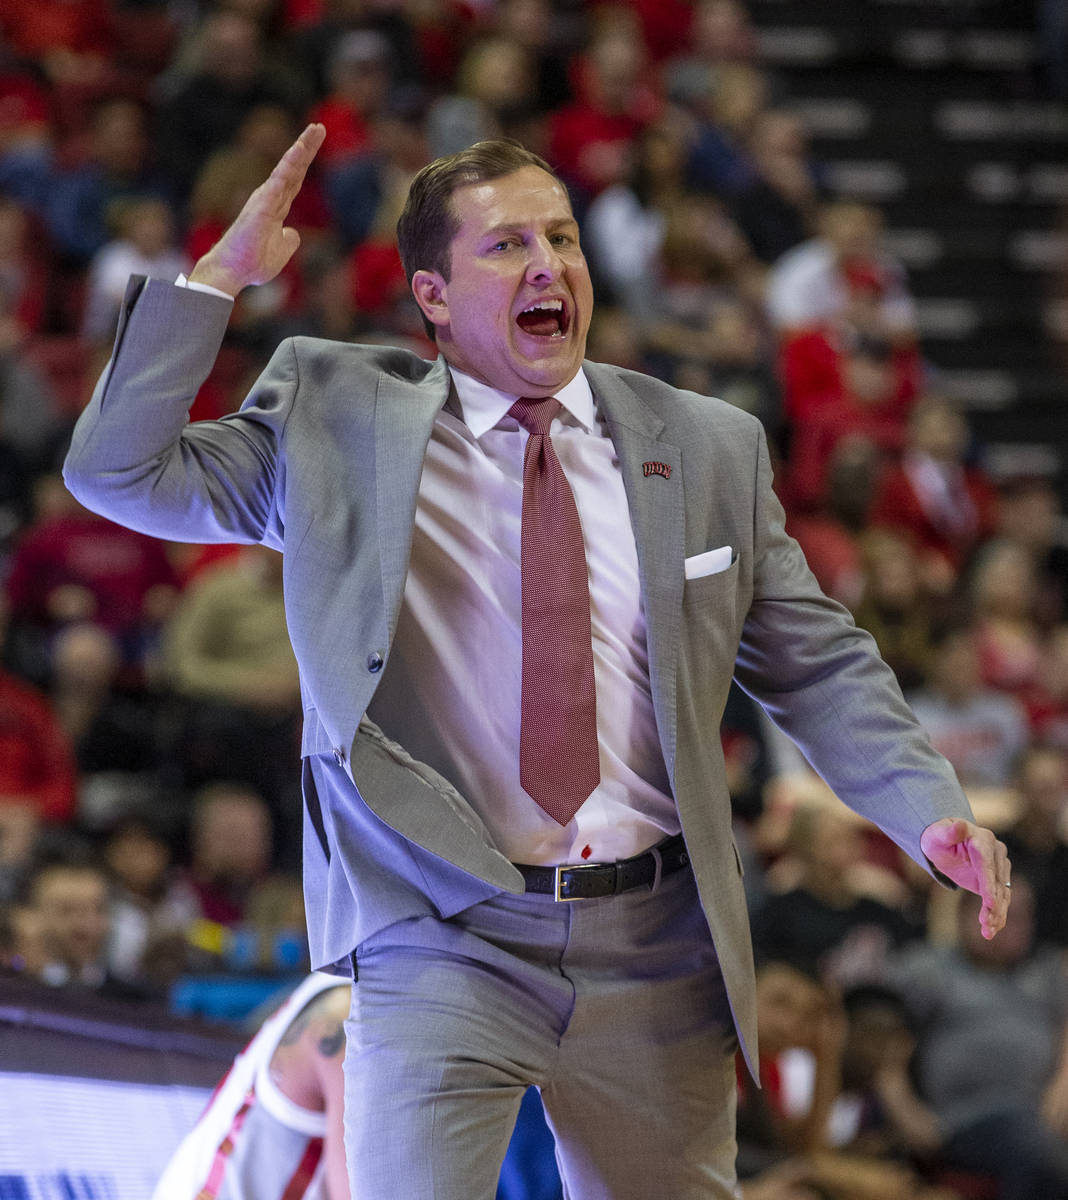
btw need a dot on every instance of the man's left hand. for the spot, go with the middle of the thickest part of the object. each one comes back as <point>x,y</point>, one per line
<point>972,857</point>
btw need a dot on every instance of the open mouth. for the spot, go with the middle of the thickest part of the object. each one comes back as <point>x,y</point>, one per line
<point>546,318</point>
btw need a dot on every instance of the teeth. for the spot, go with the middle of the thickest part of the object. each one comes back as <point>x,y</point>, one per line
<point>546,306</point>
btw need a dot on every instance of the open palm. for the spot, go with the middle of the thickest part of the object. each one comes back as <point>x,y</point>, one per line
<point>259,243</point>
<point>973,858</point>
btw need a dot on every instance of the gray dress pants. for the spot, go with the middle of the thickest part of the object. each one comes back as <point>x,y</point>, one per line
<point>613,1007</point>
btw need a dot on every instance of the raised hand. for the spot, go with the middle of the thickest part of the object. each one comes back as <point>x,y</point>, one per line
<point>973,858</point>
<point>259,244</point>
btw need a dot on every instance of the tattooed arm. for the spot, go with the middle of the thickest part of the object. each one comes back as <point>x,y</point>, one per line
<point>307,1067</point>
<point>330,1055</point>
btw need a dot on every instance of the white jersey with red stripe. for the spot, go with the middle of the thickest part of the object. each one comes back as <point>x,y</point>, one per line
<point>252,1142</point>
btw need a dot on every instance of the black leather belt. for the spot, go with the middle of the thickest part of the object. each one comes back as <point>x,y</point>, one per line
<point>588,880</point>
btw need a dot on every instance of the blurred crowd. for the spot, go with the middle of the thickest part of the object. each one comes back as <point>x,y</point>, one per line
<point>150,813</point>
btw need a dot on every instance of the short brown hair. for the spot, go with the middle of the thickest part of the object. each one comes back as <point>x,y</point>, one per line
<point>428,224</point>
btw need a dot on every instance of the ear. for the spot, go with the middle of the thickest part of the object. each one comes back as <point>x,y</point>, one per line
<point>428,288</point>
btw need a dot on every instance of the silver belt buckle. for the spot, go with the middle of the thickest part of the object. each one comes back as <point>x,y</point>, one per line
<point>558,879</point>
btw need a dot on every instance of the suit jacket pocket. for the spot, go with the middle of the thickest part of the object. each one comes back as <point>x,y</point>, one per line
<point>717,589</point>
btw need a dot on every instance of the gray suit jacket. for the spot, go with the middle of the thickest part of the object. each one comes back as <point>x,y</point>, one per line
<point>323,463</point>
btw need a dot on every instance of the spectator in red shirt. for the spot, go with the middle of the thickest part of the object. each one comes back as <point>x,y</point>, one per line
<point>818,281</point>
<point>1003,589</point>
<point>72,39</point>
<point>590,140</point>
<point>1046,700</point>
<point>37,770</point>
<point>946,507</point>
<point>830,535</point>
<point>72,565</point>
<point>666,25</point>
<point>25,134</point>
<point>23,276</point>
<point>359,74</point>
<point>231,846</point>
<point>829,291</point>
<point>865,407</point>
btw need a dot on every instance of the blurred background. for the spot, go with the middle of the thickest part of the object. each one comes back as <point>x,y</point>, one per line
<point>848,217</point>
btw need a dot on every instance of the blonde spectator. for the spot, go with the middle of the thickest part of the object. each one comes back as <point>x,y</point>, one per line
<point>226,654</point>
<point>824,914</point>
<point>227,639</point>
<point>813,283</point>
<point>144,245</point>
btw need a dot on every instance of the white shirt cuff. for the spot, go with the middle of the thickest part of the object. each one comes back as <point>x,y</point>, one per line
<point>181,281</point>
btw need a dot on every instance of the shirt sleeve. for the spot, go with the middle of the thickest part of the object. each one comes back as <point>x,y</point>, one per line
<point>182,282</point>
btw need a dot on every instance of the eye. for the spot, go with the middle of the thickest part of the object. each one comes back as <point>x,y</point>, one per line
<point>562,239</point>
<point>505,244</point>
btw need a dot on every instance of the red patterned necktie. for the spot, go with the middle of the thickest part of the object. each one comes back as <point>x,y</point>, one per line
<point>558,763</point>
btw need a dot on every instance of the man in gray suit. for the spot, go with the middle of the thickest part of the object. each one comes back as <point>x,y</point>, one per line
<point>599,948</point>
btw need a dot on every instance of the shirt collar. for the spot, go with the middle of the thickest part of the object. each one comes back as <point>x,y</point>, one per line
<point>482,406</point>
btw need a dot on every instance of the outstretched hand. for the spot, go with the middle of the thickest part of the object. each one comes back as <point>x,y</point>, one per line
<point>972,857</point>
<point>259,244</point>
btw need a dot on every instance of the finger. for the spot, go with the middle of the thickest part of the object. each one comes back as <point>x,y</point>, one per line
<point>1001,857</point>
<point>1003,870</point>
<point>292,167</point>
<point>283,183</point>
<point>984,878</point>
<point>991,864</point>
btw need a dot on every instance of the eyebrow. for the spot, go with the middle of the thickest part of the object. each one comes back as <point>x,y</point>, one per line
<point>519,227</point>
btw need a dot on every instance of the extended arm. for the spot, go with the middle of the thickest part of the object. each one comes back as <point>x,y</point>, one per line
<point>134,457</point>
<point>821,680</point>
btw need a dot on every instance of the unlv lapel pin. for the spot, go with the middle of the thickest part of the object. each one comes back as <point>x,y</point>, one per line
<point>656,468</point>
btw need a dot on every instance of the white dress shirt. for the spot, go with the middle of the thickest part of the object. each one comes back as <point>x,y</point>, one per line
<point>452,691</point>
<point>451,694</point>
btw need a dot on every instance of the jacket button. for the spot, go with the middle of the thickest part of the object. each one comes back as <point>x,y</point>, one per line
<point>339,755</point>
<point>374,662</point>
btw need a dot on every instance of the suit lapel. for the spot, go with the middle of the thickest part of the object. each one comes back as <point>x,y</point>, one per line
<point>404,420</point>
<point>652,478</point>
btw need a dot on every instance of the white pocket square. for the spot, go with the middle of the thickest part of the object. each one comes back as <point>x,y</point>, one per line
<point>709,563</point>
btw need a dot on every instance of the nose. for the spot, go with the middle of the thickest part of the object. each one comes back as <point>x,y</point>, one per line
<point>545,263</point>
